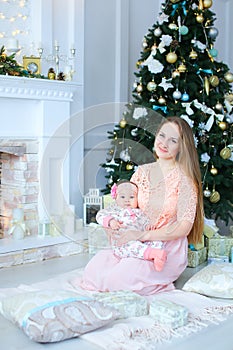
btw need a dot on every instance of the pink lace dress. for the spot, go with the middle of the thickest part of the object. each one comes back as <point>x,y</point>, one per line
<point>171,199</point>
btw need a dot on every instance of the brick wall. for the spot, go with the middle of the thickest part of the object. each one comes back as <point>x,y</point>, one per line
<point>19,182</point>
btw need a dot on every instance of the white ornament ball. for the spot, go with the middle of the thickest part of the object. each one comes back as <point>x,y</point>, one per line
<point>157,32</point>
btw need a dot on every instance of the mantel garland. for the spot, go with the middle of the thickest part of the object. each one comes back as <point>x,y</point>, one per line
<point>9,66</point>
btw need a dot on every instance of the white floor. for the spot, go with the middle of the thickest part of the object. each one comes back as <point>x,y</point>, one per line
<point>11,338</point>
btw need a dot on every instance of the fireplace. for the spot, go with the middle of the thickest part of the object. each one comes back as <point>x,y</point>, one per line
<point>34,141</point>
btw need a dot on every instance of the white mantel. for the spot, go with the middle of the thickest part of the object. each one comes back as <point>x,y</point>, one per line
<point>40,109</point>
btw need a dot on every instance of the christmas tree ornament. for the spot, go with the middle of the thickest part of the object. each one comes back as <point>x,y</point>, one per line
<point>138,64</point>
<point>129,166</point>
<point>213,52</point>
<point>207,192</point>
<point>225,153</point>
<point>174,1</point>
<point>213,170</point>
<point>212,33</point>
<point>218,106</point>
<point>157,31</point>
<point>124,155</point>
<point>162,100</point>
<point>175,74</point>
<point>222,125</point>
<point>122,123</point>
<point>134,132</point>
<point>185,97</point>
<point>182,68</point>
<point>139,88</point>
<point>193,54</point>
<point>199,18</point>
<point>172,26</point>
<point>176,94</point>
<point>207,3</point>
<point>215,196</point>
<point>214,81</point>
<point>144,43</point>
<point>228,76</point>
<point>200,5</point>
<point>171,57</point>
<point>183,30</point>
<point>151,86</point>
<point>152,99</point>
<point>207,86</point>
<point>110,180</point>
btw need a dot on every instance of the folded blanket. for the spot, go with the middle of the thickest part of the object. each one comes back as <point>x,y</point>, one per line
<point>143,332</point>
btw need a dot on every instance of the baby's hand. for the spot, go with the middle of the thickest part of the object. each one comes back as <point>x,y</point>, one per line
<point>114,224</point>
<point>150,227</point>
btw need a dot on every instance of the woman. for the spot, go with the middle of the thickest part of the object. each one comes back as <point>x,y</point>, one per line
<point>170,194</point>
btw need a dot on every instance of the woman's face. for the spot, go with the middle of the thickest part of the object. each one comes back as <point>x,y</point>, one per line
<point>167,141</point>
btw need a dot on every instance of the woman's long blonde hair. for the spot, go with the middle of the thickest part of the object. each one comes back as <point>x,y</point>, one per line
<point>189,162</point>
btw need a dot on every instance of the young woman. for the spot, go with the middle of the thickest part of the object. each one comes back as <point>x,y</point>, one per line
<point>170,194</point>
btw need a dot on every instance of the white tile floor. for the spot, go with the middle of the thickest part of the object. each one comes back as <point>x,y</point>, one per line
<point>11,338</point>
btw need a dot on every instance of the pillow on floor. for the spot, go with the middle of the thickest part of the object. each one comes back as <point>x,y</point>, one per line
<point>52,316</point>
<point>214,280</point>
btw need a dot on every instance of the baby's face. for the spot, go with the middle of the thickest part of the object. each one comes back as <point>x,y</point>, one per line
<point>127,196</point>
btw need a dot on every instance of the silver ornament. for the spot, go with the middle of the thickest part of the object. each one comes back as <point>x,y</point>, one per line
<point>207,193</point>
<point>134,132</point>
<point>176,94</point>
<point>213,33</point>
<point>124,155</point>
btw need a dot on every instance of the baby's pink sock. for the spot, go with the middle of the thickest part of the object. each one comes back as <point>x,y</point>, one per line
<point>158,255</point>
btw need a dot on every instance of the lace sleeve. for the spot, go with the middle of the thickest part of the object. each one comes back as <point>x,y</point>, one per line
<point>187,200</point>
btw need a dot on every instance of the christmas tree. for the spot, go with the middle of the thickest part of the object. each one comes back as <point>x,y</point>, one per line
<point>178,74</point>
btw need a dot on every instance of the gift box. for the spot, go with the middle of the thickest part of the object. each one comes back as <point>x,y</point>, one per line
<point>168,313</point>
<point>197,257</point>
<point>219,245</point>
<point>97,238</point>
<point>218,259</point>
<point>127,303</point>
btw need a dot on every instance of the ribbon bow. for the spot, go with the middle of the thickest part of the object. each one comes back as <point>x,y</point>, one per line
<point>163,108</point>
<point>180,4</point>
<point>114,191</point>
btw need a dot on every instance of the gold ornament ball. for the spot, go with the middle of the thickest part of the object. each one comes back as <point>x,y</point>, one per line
<point>151,86</point>
<point>171,57</point>
<point>218,106</point>
<point>214,81</point>
<point>172,26</point>
<point>225,153</point>
<point>174,1</point>
<point>215,197</point>
<point>122,123</point>
<point>207,3</point>
<point>199,18</point>
<point>214,171</point>
<point>161,100</point>
<point>228,77</point>
<point>222,125</point>
<point>129,166</point>
<point>139,88</point>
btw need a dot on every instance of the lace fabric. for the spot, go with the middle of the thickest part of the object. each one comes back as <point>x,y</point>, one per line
<point>171,199</point>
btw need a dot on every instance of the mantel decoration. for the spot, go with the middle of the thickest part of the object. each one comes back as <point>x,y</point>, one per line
<point>9,66</point>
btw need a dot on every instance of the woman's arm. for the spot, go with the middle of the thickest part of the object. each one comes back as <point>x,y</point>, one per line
<point>166,233</point>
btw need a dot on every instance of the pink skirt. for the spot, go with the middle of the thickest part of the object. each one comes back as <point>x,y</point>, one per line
<point>106,272</point>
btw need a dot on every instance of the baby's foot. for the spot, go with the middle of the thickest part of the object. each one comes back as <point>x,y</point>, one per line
<point>158,255</point>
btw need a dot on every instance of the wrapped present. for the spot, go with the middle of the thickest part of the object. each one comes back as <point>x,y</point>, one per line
<point>107,200</point>
<point>168,313</point>
<point>219,245</point>
<point>197,257</point>
<point>97,238</point>
<point>210,228</point>
<point>127,303</point>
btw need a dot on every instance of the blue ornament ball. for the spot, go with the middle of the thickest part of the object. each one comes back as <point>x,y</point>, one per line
<point>185,97</point>
<point>213,52</point>
<point>183,30</point>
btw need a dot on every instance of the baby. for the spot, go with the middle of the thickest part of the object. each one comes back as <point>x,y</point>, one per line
<point>125,214</point>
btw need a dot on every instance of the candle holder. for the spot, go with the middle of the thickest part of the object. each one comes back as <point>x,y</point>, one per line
<point>57,58</point>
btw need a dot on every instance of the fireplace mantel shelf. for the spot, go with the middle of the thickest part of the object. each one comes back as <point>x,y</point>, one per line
<point>36,89</point>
